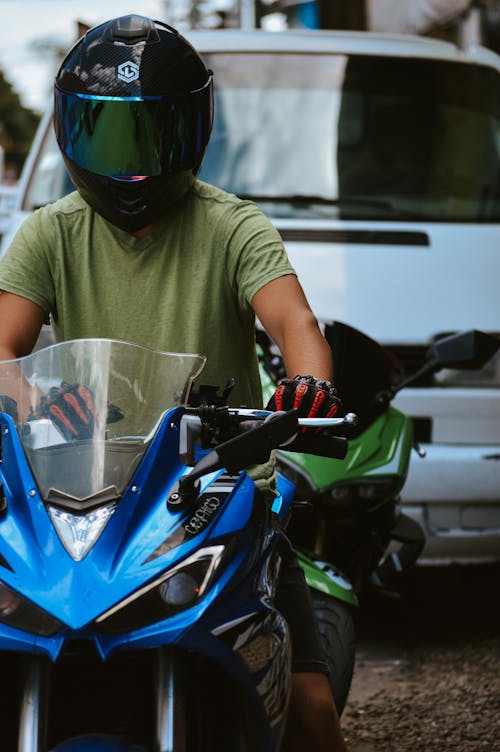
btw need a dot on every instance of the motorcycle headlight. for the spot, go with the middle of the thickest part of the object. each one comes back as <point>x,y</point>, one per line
<point>16,611</point>
<point>177,589</point>
<point>365,494</point>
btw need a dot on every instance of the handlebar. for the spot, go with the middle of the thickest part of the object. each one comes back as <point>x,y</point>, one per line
<point>351,419</point>
<point>246,413</point>
<point>257,433</point>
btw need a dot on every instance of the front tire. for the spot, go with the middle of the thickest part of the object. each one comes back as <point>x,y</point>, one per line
<point>336,625</point>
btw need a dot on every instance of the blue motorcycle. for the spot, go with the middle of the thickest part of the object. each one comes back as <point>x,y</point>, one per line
<point>138,562</point>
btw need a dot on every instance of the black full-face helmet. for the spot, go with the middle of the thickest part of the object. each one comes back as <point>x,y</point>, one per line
<point>133,115</point>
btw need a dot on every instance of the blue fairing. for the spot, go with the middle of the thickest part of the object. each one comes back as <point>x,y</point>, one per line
<point>133,549</point>
<point>96,559</point>
<point>142,540</point>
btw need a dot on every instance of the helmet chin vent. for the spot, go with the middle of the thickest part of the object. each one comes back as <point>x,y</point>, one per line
<point>133,29</point>
<point>130,205</point>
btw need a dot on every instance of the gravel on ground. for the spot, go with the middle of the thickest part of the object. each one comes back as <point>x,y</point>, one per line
<point>427,672</point>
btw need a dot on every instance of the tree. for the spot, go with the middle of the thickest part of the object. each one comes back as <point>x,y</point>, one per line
<point>17,125</point>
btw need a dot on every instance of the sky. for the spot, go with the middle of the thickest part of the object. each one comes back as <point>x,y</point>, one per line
<point>22,22</point>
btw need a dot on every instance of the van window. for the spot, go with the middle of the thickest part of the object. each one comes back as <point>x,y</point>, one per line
<point>359,137</point>
<point>354,137</point>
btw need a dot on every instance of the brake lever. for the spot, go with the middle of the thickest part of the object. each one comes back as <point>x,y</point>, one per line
<point>351,420</point>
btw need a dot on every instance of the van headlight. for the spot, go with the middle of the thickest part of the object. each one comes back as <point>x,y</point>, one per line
<point>177,589</point>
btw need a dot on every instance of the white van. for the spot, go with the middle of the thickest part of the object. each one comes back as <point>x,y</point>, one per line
<point>377,157</point>
<point>8,203</point>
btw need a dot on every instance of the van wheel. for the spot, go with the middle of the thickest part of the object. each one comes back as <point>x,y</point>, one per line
<point>336,625</point>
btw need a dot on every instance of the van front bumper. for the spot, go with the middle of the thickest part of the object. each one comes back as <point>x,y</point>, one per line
<point>454,494</point>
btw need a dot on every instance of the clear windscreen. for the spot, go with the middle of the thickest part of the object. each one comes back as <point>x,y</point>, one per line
<point>130,388</point>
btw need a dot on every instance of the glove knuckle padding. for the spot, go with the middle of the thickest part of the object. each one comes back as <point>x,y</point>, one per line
<point>312,397</point>
<point>88,400</point>
<point>71,407</point>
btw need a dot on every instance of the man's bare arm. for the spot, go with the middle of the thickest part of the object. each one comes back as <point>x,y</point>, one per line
<point>20,324</point>
<point>285,314</point>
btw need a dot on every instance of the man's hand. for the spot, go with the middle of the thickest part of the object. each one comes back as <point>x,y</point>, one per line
<point>312,397</point>
<point>71,407</point>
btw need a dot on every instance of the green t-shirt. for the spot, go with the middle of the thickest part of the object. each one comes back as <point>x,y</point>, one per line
<point>186,287</point>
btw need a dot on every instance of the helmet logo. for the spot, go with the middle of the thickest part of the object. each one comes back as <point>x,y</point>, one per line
<point>128,71</point>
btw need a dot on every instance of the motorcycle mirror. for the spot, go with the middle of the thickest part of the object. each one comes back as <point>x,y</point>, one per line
<point>468,350</point>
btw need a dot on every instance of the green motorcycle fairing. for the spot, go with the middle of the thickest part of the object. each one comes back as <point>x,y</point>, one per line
<point>381,451</point>
<point>324,578</point>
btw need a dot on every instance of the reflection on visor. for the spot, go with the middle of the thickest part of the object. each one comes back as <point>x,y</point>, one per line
<point>123,137</point>
<point>129,178</point>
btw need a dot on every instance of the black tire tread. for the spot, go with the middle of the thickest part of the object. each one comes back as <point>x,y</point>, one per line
<point>336,625</point>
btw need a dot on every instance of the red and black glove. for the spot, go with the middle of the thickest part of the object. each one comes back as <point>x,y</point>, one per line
<point>71,407</point>
<point>312,397</point>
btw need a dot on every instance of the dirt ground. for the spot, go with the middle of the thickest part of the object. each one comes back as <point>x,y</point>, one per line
<point>427,673</point>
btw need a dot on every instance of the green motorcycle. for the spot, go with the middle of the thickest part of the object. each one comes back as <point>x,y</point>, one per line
<point>347,526</point>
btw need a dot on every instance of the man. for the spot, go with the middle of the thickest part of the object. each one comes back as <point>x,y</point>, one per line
<point>145,252</point>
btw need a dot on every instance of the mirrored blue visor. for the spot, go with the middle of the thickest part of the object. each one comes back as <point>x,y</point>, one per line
<point>122,137</point>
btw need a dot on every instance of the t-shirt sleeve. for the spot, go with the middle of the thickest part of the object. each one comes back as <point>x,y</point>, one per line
<point>255,252</point>
<point>25,269</point>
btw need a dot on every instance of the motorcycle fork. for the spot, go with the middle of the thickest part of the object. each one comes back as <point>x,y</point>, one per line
<point>170,720</point>
<point>34,707</point>
<point>170,707</point>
